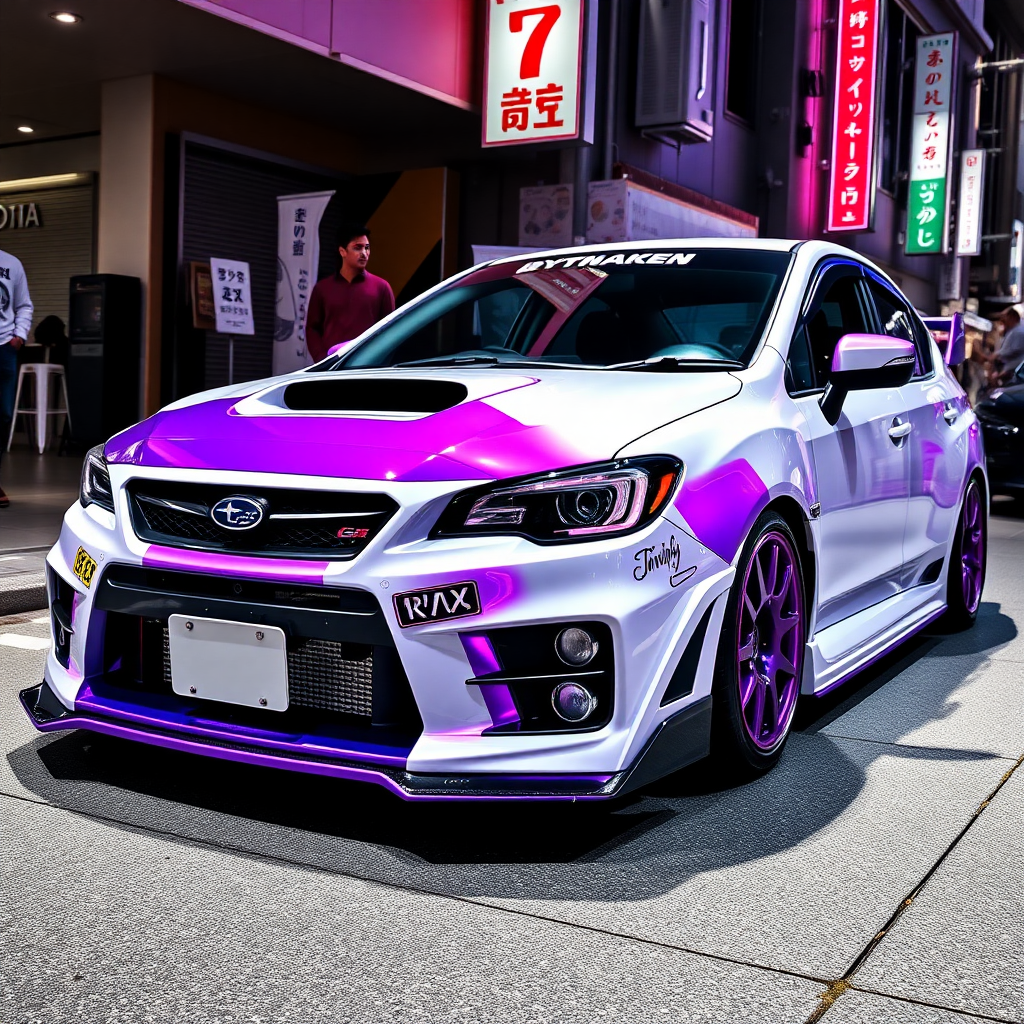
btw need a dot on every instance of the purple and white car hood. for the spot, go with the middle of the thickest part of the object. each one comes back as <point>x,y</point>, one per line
<point>509,424</point>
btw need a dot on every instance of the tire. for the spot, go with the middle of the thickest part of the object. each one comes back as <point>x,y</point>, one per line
<point>965,577</point>
<point>760,653</point>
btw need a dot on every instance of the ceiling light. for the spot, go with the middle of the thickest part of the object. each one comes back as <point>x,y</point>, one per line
<point>45,181</point>
<point>66,17</point>
<point>27,129</point>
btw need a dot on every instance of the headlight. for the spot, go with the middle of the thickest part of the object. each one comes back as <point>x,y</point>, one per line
<point>573,504</point>
<point>95,489</point>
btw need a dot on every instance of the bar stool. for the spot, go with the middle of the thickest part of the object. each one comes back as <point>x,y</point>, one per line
<point>41,374</point>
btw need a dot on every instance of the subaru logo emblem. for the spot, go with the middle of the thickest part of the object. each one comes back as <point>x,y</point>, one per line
<point>238,512</point>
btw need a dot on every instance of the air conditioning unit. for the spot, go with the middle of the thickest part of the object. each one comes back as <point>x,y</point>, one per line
<point>675,69</point>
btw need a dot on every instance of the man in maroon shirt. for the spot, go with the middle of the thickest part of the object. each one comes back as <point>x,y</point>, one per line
<point>345,304</point>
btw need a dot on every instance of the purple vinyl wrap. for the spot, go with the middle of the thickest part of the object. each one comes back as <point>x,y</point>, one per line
<point>284,569</point>
<point>484,662</point>
<point>471,441</point>
<point>721,505</point>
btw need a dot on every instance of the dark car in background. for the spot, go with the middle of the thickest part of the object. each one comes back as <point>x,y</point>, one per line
<point>1001,413</point>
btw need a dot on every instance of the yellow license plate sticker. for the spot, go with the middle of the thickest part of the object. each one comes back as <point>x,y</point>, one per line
<point>85,566</point>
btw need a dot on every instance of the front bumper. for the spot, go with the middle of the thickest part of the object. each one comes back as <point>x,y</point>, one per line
<point>452,745</point>
<point>678,740</point>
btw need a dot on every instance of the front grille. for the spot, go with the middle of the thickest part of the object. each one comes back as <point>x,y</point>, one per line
<point>322,675</point>
<point>296,524</point>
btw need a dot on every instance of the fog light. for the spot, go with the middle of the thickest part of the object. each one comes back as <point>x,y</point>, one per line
<point>572,702</point>
<point>575,646</point>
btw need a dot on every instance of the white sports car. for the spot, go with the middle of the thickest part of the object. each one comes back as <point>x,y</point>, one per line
<point>563,525</point>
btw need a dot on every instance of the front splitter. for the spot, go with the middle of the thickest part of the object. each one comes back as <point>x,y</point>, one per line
<point>679,741</point>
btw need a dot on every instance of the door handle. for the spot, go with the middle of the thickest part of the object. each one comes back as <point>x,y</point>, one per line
<point>951,414</point>
<point>898,431</point>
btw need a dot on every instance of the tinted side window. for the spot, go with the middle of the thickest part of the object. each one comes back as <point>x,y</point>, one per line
<point>836,311</point>
<point>897,320</point>
<point>799,372</point>
<point>923,343</point>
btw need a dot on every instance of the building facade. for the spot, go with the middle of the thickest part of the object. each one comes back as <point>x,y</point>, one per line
<point>167,131</point>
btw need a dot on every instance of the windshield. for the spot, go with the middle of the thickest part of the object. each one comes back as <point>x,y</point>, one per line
<point>701,309</point>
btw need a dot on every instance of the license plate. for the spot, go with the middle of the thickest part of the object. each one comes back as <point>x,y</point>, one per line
<point>435,604</point>
<point>233,662</point>
<point>84,567</point>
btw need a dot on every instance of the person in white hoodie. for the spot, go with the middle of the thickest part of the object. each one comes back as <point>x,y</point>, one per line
<point>15,323</point>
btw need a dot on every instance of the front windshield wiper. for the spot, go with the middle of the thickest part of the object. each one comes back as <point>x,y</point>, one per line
<point>481,361</point>
<point>670,364</point>
<point>453,361</point>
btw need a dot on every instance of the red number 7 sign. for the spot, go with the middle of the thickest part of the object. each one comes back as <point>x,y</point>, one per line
<point>529,66</point>
<point>532,72</point>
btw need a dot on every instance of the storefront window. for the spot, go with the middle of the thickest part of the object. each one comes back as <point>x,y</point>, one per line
<point>898,89</point>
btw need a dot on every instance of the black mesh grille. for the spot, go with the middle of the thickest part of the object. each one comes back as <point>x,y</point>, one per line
<point>322,675</point>
<point>320,524</point>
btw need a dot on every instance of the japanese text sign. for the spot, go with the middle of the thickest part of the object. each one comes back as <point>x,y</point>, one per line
<point>968,209</point>
<point>928,202</point>
<point>532,71</point>
<point>298,258</point>
<point>851,183</point>
<point>231,295</point>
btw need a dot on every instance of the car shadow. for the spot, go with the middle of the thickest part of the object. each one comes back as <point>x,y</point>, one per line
<point>633,849</point>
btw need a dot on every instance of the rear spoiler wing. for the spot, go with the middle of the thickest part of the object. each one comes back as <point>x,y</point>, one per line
<point>948,332</point>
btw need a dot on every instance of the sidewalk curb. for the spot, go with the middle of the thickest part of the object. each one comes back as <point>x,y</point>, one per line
<point>25,592</point>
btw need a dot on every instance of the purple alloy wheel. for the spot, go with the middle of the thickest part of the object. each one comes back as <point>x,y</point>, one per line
<point>770,641</point>
<point>972,549</point>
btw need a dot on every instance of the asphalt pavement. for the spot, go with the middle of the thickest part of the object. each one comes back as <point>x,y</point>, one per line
<point>876,876</point>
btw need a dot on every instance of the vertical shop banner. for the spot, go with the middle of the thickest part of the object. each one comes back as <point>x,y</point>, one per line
<point>1016,259</point>
<point>930,152</point>
<point>851,183</point>
<point>232,296</point>
<point>298,256</point>
<point>968,208</point>
<point>533,65</point>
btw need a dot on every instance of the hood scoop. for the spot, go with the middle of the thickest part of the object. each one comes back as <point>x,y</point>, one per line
<point>361,397</point>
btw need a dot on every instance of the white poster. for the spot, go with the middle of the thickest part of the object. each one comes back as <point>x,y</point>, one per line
<point>545,216</point>
<point>298,256</point>
<point>619,211</point>
<point>232,296</point>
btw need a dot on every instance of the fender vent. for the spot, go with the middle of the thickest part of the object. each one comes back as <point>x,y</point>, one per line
<point>681,683</point>
<point>394,396</point>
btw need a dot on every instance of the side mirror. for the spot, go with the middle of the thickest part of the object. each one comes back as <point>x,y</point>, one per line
<point>864,361</point>
<point>948,332</point>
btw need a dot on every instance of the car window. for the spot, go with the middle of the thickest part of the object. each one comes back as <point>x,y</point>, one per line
<point>923,344</point>
<point>589,309</point>
<point>799,372</point>
<point>897,320</point>
<point>837,310</point>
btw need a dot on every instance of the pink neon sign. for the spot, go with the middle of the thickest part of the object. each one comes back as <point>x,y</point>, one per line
<point>853,129</point>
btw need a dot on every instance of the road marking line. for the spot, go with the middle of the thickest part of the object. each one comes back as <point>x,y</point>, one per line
<point>25,643</point>
<point>43,620</point>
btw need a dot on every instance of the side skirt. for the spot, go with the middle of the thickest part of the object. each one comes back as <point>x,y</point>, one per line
<point>841,651</point>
